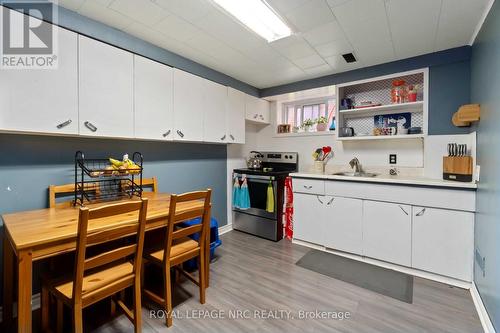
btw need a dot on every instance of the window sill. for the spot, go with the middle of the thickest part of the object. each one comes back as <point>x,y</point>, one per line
<point>288,135</point>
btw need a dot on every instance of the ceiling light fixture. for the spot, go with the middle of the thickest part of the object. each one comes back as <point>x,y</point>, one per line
<point>258,16</point>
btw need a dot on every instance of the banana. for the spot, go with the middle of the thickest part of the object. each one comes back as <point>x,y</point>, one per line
<point>115,162</point>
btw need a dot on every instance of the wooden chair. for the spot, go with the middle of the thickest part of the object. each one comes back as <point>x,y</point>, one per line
<point>106,273</point>
<point>151,183</point>
<point>67,190</point>
<point>179,247</point>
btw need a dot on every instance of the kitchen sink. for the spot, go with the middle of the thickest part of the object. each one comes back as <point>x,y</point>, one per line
<point>356,174</point>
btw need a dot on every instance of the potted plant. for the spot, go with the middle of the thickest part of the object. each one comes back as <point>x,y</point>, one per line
<point>307,124</point>
<point>322,123</point>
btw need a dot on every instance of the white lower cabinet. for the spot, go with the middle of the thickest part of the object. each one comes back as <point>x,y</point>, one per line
<point>387,232</point>
<point>343,224</point>
<point>443,242</point>
<point>308,218</point>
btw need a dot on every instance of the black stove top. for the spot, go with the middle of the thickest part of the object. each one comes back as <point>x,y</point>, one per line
<point>281,163</point>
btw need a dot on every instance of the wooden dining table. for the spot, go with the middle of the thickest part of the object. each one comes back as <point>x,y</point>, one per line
<point>38,234</point>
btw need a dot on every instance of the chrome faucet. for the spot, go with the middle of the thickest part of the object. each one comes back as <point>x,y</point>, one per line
<point>354,163</point>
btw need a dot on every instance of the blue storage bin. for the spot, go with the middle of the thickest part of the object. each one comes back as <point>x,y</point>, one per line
<point>214,239</point>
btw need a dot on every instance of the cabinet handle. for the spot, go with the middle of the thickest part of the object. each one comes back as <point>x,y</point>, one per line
<point>66,123</point>
<point>255,116</point>
<point>261,117</point>
<point>223,137</point>
<point>420,213</point>
<point>231,136</point>
<point>308,187</point>
<point>404,211</point>
<point>321,202</point>
<point>330,202</point>
<point>166,133</point>
<point>180,133</point>
<point>90,126</point>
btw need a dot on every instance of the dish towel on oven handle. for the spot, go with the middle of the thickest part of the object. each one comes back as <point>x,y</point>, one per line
<point>288,208</point>
<point>236,192</point>
<point>270,198</point>
<point>244,197</point>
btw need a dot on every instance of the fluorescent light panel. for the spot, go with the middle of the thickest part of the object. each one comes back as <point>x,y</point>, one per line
<point>258,16</point>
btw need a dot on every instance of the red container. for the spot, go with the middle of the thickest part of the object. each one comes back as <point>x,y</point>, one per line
<point>398,92</point>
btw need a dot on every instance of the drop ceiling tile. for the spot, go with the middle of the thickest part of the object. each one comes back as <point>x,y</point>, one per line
<point>73,5</point>
<point>318,71</point>
<point>104,3</point>
<point>145,12</point>
<point>335,3</point>
<point>177,28</point>
<point>324,33</point>
<point>458,21</point>
<point>424,14</point>
<point>190,10</point>
<point>146,33</point>
<point>358,10</point>
<point>98,12</point>
<point>283,7</point>
<point>309,61</point>
<point>310,15</point>
<point>341,46</point>
<point>293,47</point>
<point>338,64</point>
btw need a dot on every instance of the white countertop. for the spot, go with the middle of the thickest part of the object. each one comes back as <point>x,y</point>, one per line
<point>402,180</point>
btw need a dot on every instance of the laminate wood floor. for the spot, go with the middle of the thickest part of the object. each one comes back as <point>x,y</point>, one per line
<point>255,274</point>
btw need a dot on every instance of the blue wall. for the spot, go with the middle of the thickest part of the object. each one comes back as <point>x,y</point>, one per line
<point>485,74</point>
<point>449,83</point>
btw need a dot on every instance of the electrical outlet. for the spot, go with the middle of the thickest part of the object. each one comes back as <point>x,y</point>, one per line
<point>393,158</point>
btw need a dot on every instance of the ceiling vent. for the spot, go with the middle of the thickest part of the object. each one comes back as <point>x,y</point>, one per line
<point>349,57</point>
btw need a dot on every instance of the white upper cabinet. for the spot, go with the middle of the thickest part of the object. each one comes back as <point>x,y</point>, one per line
<point>153,100</point>
<point>214,112</point>
<point>387,232</point>
<point>443,242</point>
<point>257,110</point>
<point>106,90</point>
<point>188,106</point>
<point>42,100</point>
<point>235,116</point>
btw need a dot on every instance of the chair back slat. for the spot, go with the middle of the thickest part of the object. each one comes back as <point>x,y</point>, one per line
<point>67,191</point>
<point>151,183</point>
<point>193,205</point>
<point>109,257</point>
<point>115,213</point>
<point>187,231</point>
<point>189,214</point>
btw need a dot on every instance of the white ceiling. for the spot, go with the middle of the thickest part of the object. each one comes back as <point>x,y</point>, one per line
<point>376,31</point>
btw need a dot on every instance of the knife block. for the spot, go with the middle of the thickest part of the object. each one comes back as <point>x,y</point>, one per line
<point>458,168</point>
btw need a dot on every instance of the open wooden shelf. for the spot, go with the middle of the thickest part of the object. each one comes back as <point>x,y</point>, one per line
<point>382,137</point>
<point>384,109</point>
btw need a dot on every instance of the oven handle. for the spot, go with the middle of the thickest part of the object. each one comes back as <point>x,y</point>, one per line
<point>255,178</point>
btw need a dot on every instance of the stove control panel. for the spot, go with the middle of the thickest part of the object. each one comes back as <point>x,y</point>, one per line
<point>280,157</point>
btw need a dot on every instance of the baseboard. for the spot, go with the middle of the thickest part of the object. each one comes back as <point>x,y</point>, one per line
<point>35,305</point>
<point>225,228</point>
<point>411,271</point>
<point>481,310</point>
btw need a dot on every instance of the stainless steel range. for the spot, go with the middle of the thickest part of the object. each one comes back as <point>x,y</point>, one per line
<point>256,220</point>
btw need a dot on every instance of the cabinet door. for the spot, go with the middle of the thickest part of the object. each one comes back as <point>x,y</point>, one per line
<point>188,106</point>
<point>235,116</point>
<point>443,242</point>
<point>387,232</point>
<point>257,110</point>
<point>106,90</point>
<point>153,101</point>
<point>42,100</point>
<point>343,224</point>
<point>308,221</point>
<point>214,125</point>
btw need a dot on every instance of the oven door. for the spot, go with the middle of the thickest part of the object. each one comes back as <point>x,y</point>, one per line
<point>257,190</point>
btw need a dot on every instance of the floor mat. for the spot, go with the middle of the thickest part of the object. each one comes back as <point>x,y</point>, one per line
<point>381,280</point>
